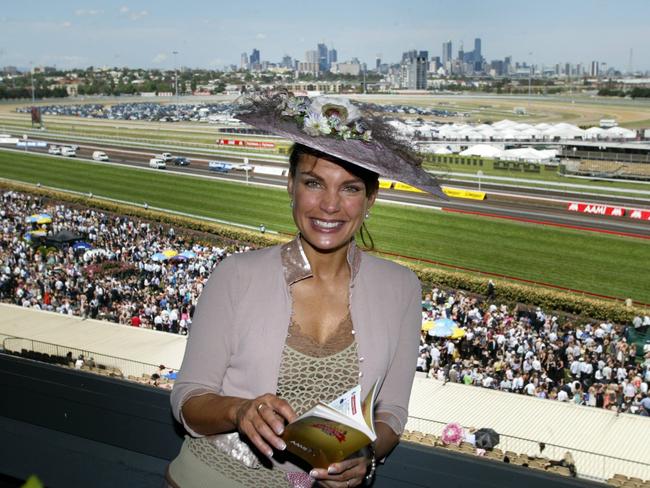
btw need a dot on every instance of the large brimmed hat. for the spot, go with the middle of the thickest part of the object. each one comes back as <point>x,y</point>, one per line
<point>335,126</point>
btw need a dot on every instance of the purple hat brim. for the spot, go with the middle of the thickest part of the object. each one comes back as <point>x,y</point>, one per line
<point>370,155</point>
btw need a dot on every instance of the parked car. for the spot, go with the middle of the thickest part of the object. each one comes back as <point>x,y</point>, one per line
<point>166,156</point>
<point>100,156</point>
<point>70,152</point>
<point>181,161</point>
<point>219,166</point>
<point>157,163</point>
<point>243,167</point>
<point>54,150</point>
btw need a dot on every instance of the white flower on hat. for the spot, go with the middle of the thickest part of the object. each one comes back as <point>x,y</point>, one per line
<point>316,124</point>
<point>340,107</point>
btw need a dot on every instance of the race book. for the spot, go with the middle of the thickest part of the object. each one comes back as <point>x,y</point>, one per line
<point>327,434</point>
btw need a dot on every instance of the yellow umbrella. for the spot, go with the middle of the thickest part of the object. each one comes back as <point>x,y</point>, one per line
<point>169,253</point>
<point>457,333</point>
<point>427,325</point>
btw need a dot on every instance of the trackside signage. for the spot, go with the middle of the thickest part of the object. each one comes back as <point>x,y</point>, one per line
<point>639,214</point>
<point>245,143</point>
<point>597,209</point>
<point>609,210</point>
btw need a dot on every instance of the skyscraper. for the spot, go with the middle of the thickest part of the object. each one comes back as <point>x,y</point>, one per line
<point>477,49</point>
<point>446,54</point>
<point>243,64</point>
<point>332,57</point>
<point>595,69</point>
<point>254,59</point>
<point>414,69</point>
<point>323,62</point>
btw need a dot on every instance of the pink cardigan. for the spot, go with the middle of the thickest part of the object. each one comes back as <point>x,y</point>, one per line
<point>241,322</point>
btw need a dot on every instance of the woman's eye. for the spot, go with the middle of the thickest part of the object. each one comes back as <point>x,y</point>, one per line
<point>312,184</point>
<point>352,189</point>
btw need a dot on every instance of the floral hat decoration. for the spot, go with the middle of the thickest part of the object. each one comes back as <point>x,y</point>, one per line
<point>335,126</point>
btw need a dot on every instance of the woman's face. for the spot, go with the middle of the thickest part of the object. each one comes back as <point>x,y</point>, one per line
<point>329,202</point>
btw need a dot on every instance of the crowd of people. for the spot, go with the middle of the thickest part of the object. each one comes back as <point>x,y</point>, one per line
<point>530,352</point>
<point>517,350</point>
<point>134,288</point>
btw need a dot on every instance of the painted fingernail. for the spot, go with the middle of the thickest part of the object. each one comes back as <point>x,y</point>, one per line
<point>331,470</point>
<point>280,431</point>
<point>269,453</point>
<point>313,473</point>
<point>282,446</point>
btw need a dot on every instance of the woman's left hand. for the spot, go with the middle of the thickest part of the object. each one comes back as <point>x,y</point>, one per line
<point>345,474</point>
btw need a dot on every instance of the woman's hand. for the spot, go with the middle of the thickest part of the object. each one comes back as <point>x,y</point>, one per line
<point>345,474</point>
<point>262,420</point>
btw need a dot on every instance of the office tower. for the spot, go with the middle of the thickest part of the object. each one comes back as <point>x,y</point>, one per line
<point>323,64</point>
<point>378,63</point>
<point>287,62</point>
<point>311,56</point>
<point>414,69</point>
<point>477,49</point>
<point>332,57</point>
<point>254,59</point>
<point>446,54</point>
<point>243,64</point>
<point>595,71</point>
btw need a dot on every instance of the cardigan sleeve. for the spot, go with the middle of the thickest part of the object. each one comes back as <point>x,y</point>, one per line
<point>393,400</point>
<point>211,339</point>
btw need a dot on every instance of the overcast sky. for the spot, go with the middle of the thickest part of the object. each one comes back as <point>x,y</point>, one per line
<point>212,34</point>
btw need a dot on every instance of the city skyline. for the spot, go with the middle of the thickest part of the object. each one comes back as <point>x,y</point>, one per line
<point>72,34</point>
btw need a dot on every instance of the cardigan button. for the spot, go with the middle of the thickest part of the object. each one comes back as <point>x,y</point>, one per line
<point>360,375</point>
<point>354,331</point>
<point>361,359</point>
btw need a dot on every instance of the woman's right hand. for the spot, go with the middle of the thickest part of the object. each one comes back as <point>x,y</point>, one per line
<point>262,420</point>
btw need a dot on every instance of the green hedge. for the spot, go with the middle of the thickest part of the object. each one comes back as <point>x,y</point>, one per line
<point>506,291</point>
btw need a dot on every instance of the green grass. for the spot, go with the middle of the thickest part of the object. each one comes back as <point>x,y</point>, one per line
<point>597,263</point>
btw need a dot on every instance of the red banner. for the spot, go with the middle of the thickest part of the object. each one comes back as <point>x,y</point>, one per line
<point>596,209</point>
<point>639,214</point>
<point>245,143</point>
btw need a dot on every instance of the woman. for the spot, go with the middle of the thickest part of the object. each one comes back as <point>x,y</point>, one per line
<point>278,329</point>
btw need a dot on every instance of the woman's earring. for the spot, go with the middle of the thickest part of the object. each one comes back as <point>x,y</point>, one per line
<point>291,203</point>
<point>367,215</point>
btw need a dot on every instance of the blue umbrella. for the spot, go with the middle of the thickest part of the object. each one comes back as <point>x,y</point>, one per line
<point>159,257</point>
<point>81,245</point>
<point>188,254</point>
<point>442,328</point>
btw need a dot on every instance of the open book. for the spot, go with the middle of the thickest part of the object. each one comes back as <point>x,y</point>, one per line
<point>327,434</point>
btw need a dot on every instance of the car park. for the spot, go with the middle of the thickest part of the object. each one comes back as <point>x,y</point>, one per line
<point>100,156</point>
<point>157,163</point>
<point>54,150</point>
<point>181,161</point>
<point>219,166</point>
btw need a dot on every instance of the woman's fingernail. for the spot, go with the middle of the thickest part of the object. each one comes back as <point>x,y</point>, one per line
<point>282,446</point>
<point>280,431</point>
<point>313,473</point>
<point>331,470</point>
<point>269,453</point>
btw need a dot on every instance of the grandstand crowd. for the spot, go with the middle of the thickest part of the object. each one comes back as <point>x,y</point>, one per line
<point>116,277</point>
<point>132,289</point>
<point>526,351</point>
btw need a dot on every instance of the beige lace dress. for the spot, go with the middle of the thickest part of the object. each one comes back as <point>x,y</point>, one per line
<point>309,372</point>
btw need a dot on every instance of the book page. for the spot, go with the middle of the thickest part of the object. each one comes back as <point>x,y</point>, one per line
<point>349,403</point>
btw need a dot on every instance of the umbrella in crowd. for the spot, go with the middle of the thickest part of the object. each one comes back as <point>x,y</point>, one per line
<point>486,438</point>
<point>427,325</point>
<point>169,253</point>
<point>442,328</point>
<point>188,254</point>
<point>179,258</point>
<point>41,218</point>
<point>63,237</point>
<point>81,245</point>
<point>452,433</point>
<point>159,257</point>
<point>31,235</point>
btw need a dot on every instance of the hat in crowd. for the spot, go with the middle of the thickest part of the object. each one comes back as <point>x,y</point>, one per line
<point>337,127</point>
